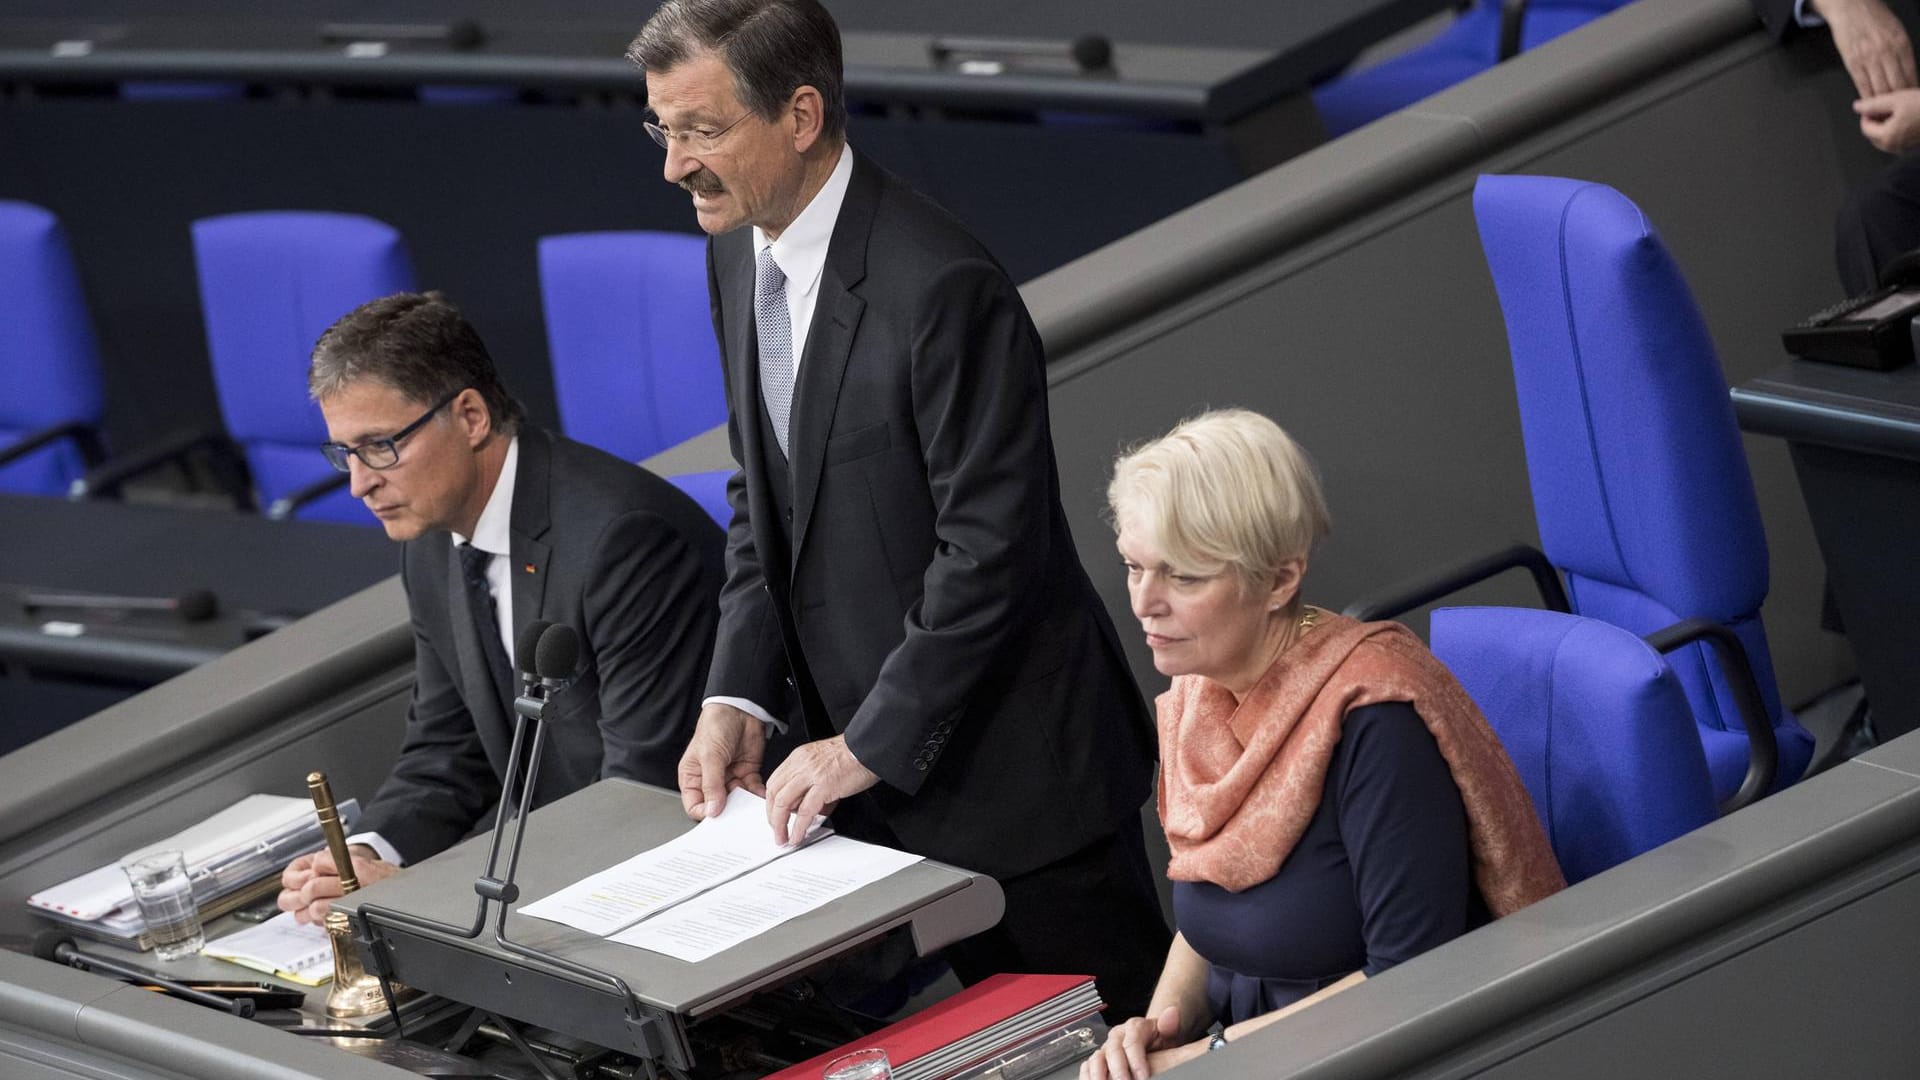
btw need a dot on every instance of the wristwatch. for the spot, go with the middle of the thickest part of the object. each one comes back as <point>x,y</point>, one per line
<point>1216,1037</point>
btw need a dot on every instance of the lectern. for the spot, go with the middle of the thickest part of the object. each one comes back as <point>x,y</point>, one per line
<point>589,831</point>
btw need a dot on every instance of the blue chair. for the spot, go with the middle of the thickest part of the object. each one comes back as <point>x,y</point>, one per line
<point>636,368</point>
<point>50,413</point>
<point>1640,484</point>
<point>270,284</point>
<point>709,489</point>
<point>1595,722</point>
<point>1484,35</point>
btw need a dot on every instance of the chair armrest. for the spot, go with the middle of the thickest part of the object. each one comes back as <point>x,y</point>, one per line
<point>284,506</point>
<point>109,478</point>
<point>1420,592</point>
<point>1513,17</point>
<point>84,439</point>
<point>1763,751</point>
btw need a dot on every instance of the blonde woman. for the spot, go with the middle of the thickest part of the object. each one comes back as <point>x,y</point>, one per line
<point>1334,802</point>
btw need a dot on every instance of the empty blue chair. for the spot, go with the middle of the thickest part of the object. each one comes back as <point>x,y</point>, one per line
<point>636,368</point>
<point>270,284</point>
<point>1595,722</point>
<point>1481,37</point>
<point>1640,485</point>
<point>51,408</point>
<point>709,489</point>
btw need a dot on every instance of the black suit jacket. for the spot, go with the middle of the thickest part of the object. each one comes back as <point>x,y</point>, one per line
<point>925,599</point>
<point>623,557</point>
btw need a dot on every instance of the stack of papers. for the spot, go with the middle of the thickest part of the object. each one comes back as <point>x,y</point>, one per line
<point>244,845</point>
<point>718,884</point>
<point>978,1026</point>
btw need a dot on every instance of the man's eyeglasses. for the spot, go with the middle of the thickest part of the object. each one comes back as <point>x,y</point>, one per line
<point>384,452</point>
<point>694,140</point>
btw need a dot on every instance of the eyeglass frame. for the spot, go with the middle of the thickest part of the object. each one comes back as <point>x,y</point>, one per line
<point>338,453</point>
<point>661,135</point>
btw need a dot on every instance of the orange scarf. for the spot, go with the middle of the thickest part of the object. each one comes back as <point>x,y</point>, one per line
<point>1240,782</point>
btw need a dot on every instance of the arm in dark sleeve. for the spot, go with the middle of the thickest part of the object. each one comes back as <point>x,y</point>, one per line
<point>650,610</point>
<point>980,408</point>
<point>1776,16</point>
<point>441,781</point>
<point>748,656</point>
<point>1405,830</point>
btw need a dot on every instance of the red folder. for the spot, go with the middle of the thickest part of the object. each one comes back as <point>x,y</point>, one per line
<point>966,1013</point>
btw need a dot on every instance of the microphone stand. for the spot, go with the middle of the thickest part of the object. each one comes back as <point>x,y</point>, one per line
<point>529,709</point>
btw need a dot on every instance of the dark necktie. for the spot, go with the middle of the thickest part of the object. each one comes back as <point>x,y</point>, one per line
<point>486,618</point>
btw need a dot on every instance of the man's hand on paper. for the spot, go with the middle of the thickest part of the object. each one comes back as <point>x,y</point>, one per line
<point>725,753</point>
<point>310,883</point>
<point>810,782</point>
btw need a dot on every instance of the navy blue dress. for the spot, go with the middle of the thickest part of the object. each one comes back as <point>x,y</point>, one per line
<point>1382,874</point>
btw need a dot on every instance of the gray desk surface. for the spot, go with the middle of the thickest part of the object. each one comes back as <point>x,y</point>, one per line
<point>615,819</point>
<point>1850,408</point>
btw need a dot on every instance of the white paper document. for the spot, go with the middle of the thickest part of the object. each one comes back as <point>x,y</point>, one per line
<point>712,852</point>
<point>280,946</point>
<point>793,885</point>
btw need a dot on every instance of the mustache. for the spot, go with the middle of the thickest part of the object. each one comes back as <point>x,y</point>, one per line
<point>703,183</point>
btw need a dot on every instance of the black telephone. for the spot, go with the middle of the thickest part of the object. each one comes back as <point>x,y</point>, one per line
<point>1873,330</point>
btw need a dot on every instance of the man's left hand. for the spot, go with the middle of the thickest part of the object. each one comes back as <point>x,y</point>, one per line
<point>1891,121</point>
<point>809,783</point>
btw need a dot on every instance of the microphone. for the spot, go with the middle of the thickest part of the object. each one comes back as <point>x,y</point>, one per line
<point>554,658</point>
<point>1089,52</point>
<point>194,605</point>
<point>52,945</point>
<point>462,35</point>
<point>525,648</point>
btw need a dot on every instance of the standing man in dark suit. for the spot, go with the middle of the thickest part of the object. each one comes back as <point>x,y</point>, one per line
<point>503,524</point>
<point>900,575</point>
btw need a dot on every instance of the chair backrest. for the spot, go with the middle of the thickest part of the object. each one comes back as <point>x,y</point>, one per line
<point>709,489</point>
<point>1595,722</point>
<point>270,284</point>
<point>1640,484</point>
<point>49,360</point>
<point>636,368</point>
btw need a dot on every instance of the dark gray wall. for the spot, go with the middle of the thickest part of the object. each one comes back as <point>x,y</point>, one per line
<point>1378,341</point>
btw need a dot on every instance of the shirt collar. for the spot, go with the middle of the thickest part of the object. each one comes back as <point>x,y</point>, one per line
<point>801,251</point>
<point>493,532</point>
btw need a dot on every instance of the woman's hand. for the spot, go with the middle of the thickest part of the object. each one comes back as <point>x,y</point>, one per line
<point>1125,1055</point>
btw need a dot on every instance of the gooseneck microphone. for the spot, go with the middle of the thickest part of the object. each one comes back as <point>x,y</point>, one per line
<point>53,945</point>
<point>554,658</point>
<point>525,648</point>
<point>194,605</point>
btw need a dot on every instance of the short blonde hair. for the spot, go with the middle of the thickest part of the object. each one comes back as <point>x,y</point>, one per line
<point>1224,490</point>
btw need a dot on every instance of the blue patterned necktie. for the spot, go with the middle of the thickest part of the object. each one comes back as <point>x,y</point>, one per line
<point>776,343</point>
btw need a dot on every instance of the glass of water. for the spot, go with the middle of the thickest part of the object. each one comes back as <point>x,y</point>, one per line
<point>165,896</point>
<point>867,1064</point>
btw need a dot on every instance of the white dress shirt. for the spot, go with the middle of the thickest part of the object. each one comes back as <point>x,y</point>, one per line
<point>493,535</point>
<point>801,255</point>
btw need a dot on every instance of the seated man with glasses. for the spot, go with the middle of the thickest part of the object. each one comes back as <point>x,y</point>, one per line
<point>504,523</point>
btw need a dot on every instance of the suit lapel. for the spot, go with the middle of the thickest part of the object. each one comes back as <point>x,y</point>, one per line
<point>477,686</point>
<point>529,555</point>
<point>836,320</point>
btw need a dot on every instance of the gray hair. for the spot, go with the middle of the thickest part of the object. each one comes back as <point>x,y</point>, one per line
<point>417,343</point>
<point>772,47</point>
